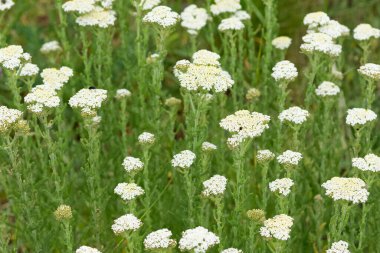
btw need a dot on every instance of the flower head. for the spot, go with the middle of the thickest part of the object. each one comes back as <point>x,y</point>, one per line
<point>162,16</point>
<point>282,42</point>
<point>79,6</point>
<point>183,160</point>
<point>127,222</point>
<point>315,19</point>
<point>359,117</point>
<point>215,186</point>
<point>278,227</point>
<point>265,155</point>
<point>338,247</point>
<point>29,69</point>
<point>225,6</point>
<point>365,32</point>
<point>149,4</point>
<point>63,212</point>
<point>6,5</point>
<point>146,138</point>
<point>256,215</point>
<point>232,250</point>
<point>349,189</point>
<point>122,93</point>
<point>88,100</point>
<point>370,162</point>
<point>289,158</point>
<point>159,239</point>
<point>197,240</point>
<point>56,78</point>
<point>86,249</point>
<point>370,71</point>
<point>320,43</point>
<point>41,98</point>
<point>132,164</point>
<point>294,115</point>
<point>284,71</point>
<point>128,191</point>
<point>281,186</point>
<point>194,18</point>
<point>231,24</point>
<point>334,29</point>
<point>327,89</point>
<point>11,56</point>
<point>208,146</point>
<point>9,118</point>
<point>50,47</point>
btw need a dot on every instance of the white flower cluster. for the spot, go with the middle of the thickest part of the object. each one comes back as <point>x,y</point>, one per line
<point>225,6</point>
<point>8,118</point>
<point>231,24</point>
<point>13,56</point>
<point>41,98</point>
<point>194,19</point>
<point>316,19</point>
<point>338,247</point>
<point>282,42</point>
<point>360,116</point>
<point>278,227</point>
<point>159,240</point>
<point>149,4</point>
<point>128,191</point>
<point>284,71</point>
<point>92,12</point>
<point>232,250</point>
<point>122,93</point>
<point>86,249</point>
<point>349,189</point>
<point>50,47</point>
<point>289,158</point>
<point>370,162</point>
<point>146,138</point>
<point>334,29</point>
<point>242,15</point>
<point>56,78</point>
<point>29,69</point>
<point>6,4</point>
<point>370,70</point>
<point>327,89</point>
<point>365,32</point>
<point>203,74</point>
<point>88,100</point>
<point>183,160</point>
<point>132,164</point>
<point>294,115</point>
<point>198,240</point>
<point>244,124</point>
<point>265,155</point>
<point>162,16</point>
<point>208,146</point>
<point>281,186</point>
<point>215,186</point>
<point>320,43</point>
<point>127,222</point>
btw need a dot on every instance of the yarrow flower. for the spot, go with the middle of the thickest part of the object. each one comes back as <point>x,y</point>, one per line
<point>252,94</point>
<point>12,56</point>
<point>334,29</point>
<point>162,16</point>
<point>208,146</point>
<point>256,215</point>
<point>242,15</point>
<point>159,240</point>
<point>359,117</point>
<point>315,19</point>
<point>278,227</point>
<point>364,32</point>
<point>225,6</point>
<point>232,250</point>
<point>9,118</point>
<point>338,247</point>
<point>132,164</point>
<point>203,74</point>
<point>370,162</point>
<point>370,71</point>
<point>6,4</point>
<point>56,78</point>
<point>198,240</point>
<point>215,186</point>
<point>327,89</point>
<point>79,6</point>
<point>86,249</point>
<point>146,138</point>
<point>265,155</point>
<point>282,42</point>
<point>128,191</point>
<point>231,24</point>
<point>50,47</point>
<point>122,93</point>
<point>149,4</point>
<point>99,17</point>
<point>88,100</point>
<point>294,115</point>
<point>289,158</point>
<point>125,223</point>
<point>172,101</point>
<point>194,19</point>
<point>183,160</point>
<point>284,71</point>
<point>320,43</point>
<point>281,186</point>
<point>63,212</point>
<point>349,189</point>
<point>42,98</point>
<point>245,124</point>
<point>29,69</point>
